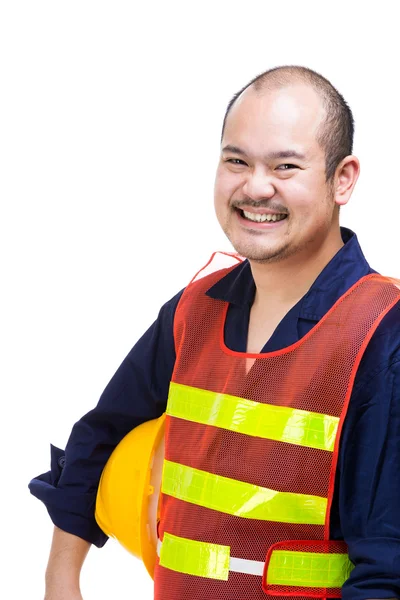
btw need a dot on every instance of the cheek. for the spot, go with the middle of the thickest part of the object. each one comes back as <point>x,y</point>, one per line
<point>223,192</point>
<point>221,207</point>
<point>314,210</point>
<point>221,196</point>
<point>226,184</point>
<point>304,198</point>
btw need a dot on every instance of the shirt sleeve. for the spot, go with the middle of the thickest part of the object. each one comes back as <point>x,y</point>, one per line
<point>369,489</point>
<point>137,393</point>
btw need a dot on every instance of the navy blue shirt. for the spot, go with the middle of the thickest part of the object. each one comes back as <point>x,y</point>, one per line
<point>366,506</point>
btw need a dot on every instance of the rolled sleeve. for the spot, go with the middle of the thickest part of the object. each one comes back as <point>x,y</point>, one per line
<point>70,511</point>
<point>137,393</point>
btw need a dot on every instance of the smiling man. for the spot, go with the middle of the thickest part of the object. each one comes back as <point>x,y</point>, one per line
<point>279,374</point>
<point>272,197</point>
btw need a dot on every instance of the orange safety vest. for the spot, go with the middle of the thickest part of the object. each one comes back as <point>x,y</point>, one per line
<point>251,451</point>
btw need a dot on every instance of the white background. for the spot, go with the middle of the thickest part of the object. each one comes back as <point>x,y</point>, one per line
<point>109,131</point>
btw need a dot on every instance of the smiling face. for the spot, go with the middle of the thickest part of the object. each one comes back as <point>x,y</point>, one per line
<point>271,197</point>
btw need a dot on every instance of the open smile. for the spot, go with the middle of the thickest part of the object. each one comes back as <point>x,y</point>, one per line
<point>266,219</point>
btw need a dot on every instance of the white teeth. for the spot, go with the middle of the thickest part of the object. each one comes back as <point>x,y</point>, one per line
<point>262,218</point>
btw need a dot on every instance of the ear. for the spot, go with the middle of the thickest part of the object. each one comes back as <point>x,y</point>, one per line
<point>346,176</point>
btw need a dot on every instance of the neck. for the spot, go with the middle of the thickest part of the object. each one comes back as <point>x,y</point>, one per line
<point>288,280</point>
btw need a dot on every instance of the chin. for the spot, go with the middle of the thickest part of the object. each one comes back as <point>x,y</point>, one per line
<point>264,255</point>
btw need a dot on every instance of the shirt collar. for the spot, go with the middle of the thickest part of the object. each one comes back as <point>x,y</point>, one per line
<point>343,270</point>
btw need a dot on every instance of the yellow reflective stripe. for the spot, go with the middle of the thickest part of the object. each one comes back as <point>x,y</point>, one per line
<point>239,498</point>
<point>300,427</point>
<point>195,558</point>
<point>308,569</point>
<point>286,567</point>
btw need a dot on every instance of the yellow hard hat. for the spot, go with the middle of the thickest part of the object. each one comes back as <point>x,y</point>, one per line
<point>128,495</point>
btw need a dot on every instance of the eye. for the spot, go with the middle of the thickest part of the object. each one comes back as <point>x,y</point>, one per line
<point>235,161</point>
<point>287,167</point>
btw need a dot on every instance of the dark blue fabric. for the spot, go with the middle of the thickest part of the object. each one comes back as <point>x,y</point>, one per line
<point>366,506</point>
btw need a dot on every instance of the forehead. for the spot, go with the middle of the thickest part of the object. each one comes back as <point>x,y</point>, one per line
<point>275,119</point>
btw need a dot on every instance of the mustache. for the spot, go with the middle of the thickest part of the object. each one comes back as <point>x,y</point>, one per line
<point>240,204</point>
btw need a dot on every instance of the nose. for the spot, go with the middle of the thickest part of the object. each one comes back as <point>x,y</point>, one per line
<point>259,185</point>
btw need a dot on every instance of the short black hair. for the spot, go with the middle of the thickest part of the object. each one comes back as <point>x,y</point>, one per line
<point>336,133</point>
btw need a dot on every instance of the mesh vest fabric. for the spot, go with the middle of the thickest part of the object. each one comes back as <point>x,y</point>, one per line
<point>251,447</point>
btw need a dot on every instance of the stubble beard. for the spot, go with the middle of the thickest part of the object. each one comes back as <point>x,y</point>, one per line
<point>263,255</point>
<point>259,254</point>
<point>282,250</point>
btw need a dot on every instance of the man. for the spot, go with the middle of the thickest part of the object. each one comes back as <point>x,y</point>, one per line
<point>297,333</point>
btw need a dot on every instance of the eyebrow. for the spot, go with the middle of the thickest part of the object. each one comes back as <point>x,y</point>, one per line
<point>270,155</point>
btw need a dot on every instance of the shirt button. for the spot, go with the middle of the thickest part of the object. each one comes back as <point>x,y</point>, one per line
<point>61,462</point>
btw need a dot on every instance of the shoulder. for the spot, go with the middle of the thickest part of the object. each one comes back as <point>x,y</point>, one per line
<point>383,351</point>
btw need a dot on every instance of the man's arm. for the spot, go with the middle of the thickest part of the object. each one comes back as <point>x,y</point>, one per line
<point>138,392</point>
<point>66,559</point>
<point>369,470</point>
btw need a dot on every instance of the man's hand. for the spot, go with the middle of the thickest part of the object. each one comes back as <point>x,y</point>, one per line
<point>67,556</point>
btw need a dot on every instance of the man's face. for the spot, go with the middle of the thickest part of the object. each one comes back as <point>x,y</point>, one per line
<point>271,197</point>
